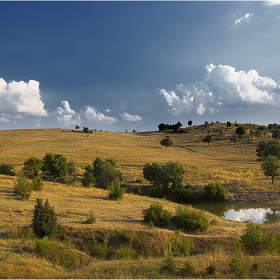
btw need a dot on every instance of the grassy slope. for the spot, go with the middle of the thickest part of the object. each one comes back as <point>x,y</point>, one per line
<point>235,166</point>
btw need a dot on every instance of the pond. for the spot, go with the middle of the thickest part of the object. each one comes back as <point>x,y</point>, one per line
<point>256,213</point>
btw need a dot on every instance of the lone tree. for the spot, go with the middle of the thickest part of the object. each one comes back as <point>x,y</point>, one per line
<point>228,124</point>
<point>208,139</point>
<point>54,165</point>
<point>77,127</point>
<point>167,142</point>
<point>190,123</point>
<point>240,130</point>
<point>31,167</point>
<point>270,166</point>
<point>44,221</point>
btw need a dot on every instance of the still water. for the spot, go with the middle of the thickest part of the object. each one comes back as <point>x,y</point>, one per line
<point>256,213</point>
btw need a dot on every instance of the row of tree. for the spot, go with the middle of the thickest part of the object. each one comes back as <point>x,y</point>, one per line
<point>173,127</point>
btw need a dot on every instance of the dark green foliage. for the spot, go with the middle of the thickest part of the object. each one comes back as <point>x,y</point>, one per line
<point>271,165</point>
<point>105,172</point>
<point>54,165</point>
<point>190,123</point>
<point>276,134</point>
<point>268,148</point>
<point>211,270</point>
<point>6,169</point>
<point>183,193</point>
<point>44,222</point>
<point>187,219</point>
<point>88,177</point>
<point>116,192</point>
<point>258,240</point>
<point>169,175</point>
<point>167,142</point>
<point>240,130</point>
<point>214,192</point>
<point>32,167</point>
<point>228,124</point>
<point>156,215</point>
<point>208,139</point>
<point>23,188</point>
<point>37,184</point>
<point>71,167</point>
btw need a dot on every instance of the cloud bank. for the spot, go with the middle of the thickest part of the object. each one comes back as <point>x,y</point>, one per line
<point>20,98</point>
<point>223,88</point>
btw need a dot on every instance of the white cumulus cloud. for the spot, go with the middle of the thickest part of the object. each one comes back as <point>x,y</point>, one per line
<point>66,116</point>
<point>17,98</point>
<point>271,3</point>
<point>132,118</point>
<point>223,87</point>
<point>91,114</point>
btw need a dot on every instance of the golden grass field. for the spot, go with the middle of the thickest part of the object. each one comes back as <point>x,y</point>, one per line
<point>233,165</point>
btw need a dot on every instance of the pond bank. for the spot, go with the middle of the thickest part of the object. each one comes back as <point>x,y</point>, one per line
<point>258,197</point>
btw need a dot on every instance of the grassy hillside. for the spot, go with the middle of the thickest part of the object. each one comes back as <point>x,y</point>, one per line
<point>233,165</point>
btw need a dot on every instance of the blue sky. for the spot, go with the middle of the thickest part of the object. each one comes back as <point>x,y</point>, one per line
<point>132,65</point>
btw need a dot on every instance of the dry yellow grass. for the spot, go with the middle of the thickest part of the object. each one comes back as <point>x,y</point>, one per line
<point>235,166</point>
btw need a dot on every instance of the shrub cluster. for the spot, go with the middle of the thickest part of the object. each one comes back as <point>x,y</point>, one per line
<point>184,219</point>
<point>214,192</point>
<point>6,169</point>
<point>24,186</point>
<point>156,215</point>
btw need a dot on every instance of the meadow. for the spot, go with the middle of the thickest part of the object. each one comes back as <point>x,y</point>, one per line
<point>235,166</point>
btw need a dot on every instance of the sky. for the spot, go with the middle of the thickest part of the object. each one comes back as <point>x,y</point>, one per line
<point>117,66</point>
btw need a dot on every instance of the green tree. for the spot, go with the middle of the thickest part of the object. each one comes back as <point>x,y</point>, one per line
<point>208,139</point>
<point>190,123</point>
<point>44,221</point>
<point>106,171</point>
<point>276,134</point>
<point>170,174</point>
<point>32,167</point>
<point>23,188</point>
<point>157,215</point>
<point>6,169</point>
<point>228,124</point>
<point>167,142</point>
<point>270,166</point>
<point>88,177</point>
<point>268,148</point>
<point>54,165</point>
<point>240,130</point>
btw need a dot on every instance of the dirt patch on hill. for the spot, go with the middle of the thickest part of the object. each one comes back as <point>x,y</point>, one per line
<point>262,197</point>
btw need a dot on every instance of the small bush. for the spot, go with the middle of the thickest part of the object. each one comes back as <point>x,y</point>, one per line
<point>116,192</point>
<point>88,179</point>
<point>257,240</point>
<point>68,179</point>
<point>127,237</point>
<point>169,263</point>
<point>91,219</point>
<point>240,267</point>
<point>214,192</point>
<point>124,252</point>
<point>7,169</point>
<point>211,270</point>
<point>183,193</point>
<point>156,215</point>
<point>187,219</point>
<point>188,267</point>
<point>44,247</point>
<point>67,257</point>
<point>99,248</point>
<point>37,184</point>
<point>179,245</point>
<point>23,188</point>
